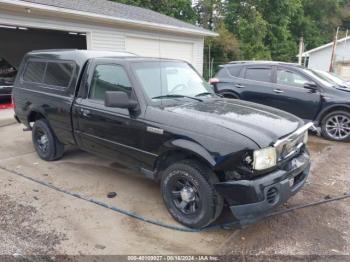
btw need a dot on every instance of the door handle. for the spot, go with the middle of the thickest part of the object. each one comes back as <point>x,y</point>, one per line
<point>239,85</point>
<point>85,112</point>
<point>278,91</point>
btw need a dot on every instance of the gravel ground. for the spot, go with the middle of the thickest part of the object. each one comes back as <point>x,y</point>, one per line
<point>36,220</point>
<point>19,231</point>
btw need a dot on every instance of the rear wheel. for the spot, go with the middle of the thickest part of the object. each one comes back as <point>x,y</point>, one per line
<point>189,195</point>
<point>336,126</point>
<point>45,142</point>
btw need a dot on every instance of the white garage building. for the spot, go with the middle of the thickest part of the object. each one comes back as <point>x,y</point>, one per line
<point>98,25</point>
<point>320,57</point>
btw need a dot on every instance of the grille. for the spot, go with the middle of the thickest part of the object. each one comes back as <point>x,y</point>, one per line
<point>272,195</point>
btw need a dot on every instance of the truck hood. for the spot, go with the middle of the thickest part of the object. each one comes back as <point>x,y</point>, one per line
<point>262,124</point>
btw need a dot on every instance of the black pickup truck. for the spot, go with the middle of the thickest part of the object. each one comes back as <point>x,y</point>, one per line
<point>160,116</point>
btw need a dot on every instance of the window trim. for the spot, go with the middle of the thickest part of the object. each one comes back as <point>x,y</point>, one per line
<point>294,72</point>
<point>46,61</point>
<point>259,67</point>
<point>90,78</point>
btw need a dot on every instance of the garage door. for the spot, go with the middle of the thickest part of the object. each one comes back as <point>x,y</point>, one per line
<point>345,71</point>
<point>160,48</point>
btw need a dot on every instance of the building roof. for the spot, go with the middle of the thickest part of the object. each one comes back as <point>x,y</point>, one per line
<point>325,46</point>
<point>116,11</point>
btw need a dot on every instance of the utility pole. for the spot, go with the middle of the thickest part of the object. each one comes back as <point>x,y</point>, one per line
<point>209,58</point>
<point>334,49</point>
<point>301,50</point>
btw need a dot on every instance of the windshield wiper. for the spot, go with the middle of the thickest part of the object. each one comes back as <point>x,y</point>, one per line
<point>177,96</point>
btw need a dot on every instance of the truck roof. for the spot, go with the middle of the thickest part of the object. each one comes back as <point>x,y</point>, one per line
<point>81,56</point>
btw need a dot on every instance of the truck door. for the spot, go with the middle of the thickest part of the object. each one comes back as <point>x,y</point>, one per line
<point>111,132</point>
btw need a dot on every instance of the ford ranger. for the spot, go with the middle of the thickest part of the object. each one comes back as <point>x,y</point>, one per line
<point>160,117</point>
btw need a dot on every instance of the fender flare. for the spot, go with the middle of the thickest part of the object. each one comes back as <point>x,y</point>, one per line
<point>189,147</point>
<point>35,110</point>
<point>330,108</point>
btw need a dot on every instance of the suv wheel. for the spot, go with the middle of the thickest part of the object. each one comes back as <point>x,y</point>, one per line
<point>45,142</point>
<point>188,192</point>
<point>336,126</point>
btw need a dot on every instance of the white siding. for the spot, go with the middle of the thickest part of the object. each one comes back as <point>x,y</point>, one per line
<point>112,37</point>
<point>321,59</point>
<point>160,48</point>
<point>107,40</point>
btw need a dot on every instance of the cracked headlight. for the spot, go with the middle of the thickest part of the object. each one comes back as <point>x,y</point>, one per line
<point>264,158</point>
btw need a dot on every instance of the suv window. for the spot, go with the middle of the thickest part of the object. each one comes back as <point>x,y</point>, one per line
<point>262,74</point>
<point>59,74</point>
<point>286,77</point>
<point>108,78</point>
<point>7,73</point>
<point>234,70</point>
<point>34,71</point>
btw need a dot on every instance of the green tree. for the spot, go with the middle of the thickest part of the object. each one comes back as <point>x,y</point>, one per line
<point>223,49</point>
<point>319,19</point>
<point>209,12</point>
<point>262,27</point>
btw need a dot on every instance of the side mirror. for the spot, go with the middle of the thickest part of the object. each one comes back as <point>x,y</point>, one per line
<point>119,100</point>
<point>310,85</point>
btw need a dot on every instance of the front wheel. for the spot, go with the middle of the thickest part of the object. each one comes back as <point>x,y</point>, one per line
<point>188,192</point>
<point>336,126</point>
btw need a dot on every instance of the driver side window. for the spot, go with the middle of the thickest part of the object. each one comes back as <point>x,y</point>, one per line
<point>285,77</point>
<point>108,78</point>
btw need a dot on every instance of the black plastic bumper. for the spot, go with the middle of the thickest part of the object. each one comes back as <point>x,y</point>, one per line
<point>251,200</point>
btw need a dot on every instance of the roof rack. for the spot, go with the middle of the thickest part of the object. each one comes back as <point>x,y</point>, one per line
<point>262,62</point>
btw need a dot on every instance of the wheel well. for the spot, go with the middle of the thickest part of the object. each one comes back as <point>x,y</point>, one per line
<point>171,157</point>
<point>336,108</point>
<point>229,95</point>
<point>33,116</point>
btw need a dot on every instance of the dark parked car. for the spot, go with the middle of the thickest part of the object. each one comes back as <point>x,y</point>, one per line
<point>161,118</point>
<point>7,77</point>
<point>291,88</point>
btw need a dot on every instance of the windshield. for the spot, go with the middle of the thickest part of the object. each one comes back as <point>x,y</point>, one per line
<point>170,80</point>
<point>318,78</point>
<point>328,77</point>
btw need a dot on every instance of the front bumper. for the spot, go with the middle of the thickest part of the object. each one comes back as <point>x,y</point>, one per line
<point>251,200</point>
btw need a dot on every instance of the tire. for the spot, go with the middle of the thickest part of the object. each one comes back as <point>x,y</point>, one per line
<point>202,204</point>
<point>330,130</point>
<point>45,142</point>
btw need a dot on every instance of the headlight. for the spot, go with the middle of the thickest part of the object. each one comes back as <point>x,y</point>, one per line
<point>264,158</point>
<point>306,137</point>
